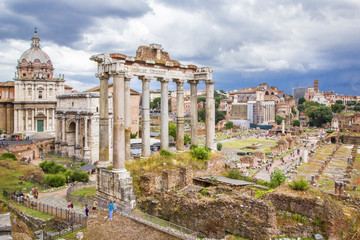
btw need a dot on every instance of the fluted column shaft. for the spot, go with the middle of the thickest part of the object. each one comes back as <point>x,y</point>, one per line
<point>119,122</point>
<point>63,137</point>
<point>194,112</point>
<point>77,119</point>
<point>164,130</point>
<point>210,114</point>
<point>104,123</point>
<point>179,115</point>
<point>145,119</point>
<point>127,102</point>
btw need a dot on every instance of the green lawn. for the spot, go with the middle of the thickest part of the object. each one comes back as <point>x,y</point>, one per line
<point>88,192</point>
<point>30,211</point>
<point>265,144</point>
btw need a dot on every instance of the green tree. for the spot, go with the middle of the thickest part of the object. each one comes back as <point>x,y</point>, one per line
<point>219,146</point>
<point>296,123</point>
<point>277,178</point>
<point>202,115</point>
<point>337,108</point>
<point>201,99</point>
<point>301,100</point>
<point>320,115</point>
<point>357,107</point>
<point>301,107</point>
<point>293,111</point>
<point>351,103</point>
<point>155,103</point>
<point>229,125</point>
<point>278,119</point>
<point>311,103</point>
<point>339,102</point>
<point>219,115</point>
<point>172,130</point>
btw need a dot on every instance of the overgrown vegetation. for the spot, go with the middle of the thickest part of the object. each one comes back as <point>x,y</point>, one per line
<point>277,178</point>
<point>55,180</point>
<point>51,167</point>
<point>8,156</point>
<point>299,185</point>
<point>166,153</point>
<point>219,146</point>
<point>260,193</point>
<point>235,174</point>
<point>200,153</point>
<point>88,192</point>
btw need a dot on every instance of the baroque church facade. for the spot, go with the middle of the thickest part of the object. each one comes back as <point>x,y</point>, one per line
<point>35,91</point>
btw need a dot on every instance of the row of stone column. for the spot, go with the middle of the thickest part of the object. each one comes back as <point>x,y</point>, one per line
<point>121,117</point>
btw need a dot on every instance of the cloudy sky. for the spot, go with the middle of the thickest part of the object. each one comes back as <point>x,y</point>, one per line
<point>286,43</point>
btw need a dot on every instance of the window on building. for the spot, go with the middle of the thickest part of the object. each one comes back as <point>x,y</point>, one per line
<point>97,109</point>
<point>24,74</point>
<point>40,94</point>
<point>72,103</point>
<point>29,91</point>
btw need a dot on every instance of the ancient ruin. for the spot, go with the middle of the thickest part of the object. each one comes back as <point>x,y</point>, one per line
<point>150,62</point>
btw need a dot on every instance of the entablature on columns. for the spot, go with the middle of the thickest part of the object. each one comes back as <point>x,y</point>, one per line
<point>151,66</point>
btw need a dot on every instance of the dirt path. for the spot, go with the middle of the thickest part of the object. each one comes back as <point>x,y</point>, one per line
<point>120,227</point>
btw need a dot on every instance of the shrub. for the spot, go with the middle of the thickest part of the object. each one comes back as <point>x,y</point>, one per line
<point>82,164</point>
<point>187,139</point>
<point>8,156</point>
<point>219,146</point>
<point>166,153</point>
<point>201,153</point>
<point>299,185</point>
<point>133,135</point>
<point>55,180</point>
<point>229,125</point>
<point>260,193</point>
<point>277,178</point>
<point>234,174</point>
<point>296,123</point>
<point>52,167</point>
<point>78,175</point>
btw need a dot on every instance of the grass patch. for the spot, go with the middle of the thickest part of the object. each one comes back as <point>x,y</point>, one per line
<point>12,174</point>
<point>88,192</point>
<point>265,144</point>
<point>260,193</point>
<point>30,211</point>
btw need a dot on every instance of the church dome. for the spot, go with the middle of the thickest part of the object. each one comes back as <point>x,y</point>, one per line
<point>35,52</point>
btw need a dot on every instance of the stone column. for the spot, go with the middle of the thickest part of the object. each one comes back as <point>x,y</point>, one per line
<point>210,114</point>
<point>16,120</point>
<point>86,148</point>
<point>119,122</point>
<point>26,120</point>
<point>77,119</point>
<point>164,129</point>
<point>20,120</point>
<point>104,122</point>
<point>53,120</point>
<point>63,137</point>
<point>194,112</point>
<point>33,120</point>
<point>179,114</point>
<point>283,126</point>
<point>145,120</point>
<point>127,102</point>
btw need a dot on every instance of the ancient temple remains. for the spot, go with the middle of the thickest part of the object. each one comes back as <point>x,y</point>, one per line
<point>150,62</point>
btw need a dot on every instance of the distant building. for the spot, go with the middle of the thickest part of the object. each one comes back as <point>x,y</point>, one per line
<point>35,91</point>
<point>299,92</point>
<point>7,106</point>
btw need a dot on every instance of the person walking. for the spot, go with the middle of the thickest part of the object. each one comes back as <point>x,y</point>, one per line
<point>86,210</point>
<point>111,210</point>
<point>95,204</point>
<point>36,194</point>
<point>69,206</point>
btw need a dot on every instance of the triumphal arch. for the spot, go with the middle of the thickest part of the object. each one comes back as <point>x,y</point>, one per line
<point>150,63</point>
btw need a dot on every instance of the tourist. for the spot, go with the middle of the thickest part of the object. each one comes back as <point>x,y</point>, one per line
<point>29,160</point>
<point>36,194</point>
<point>95,203</point>
<point>68,179</point>
<point>86,210</point>
<point>84,180</point>
<point>70,205</point>
<point>111,210</point>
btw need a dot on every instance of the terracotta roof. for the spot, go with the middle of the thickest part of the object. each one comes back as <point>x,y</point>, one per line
<point>7,84</point>
<point>67,87</point>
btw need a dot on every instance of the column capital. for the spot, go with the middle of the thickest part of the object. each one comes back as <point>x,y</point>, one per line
<point>77,117</point>
<point>128,77</point>
<point>120,73</point>
<point>193,81</point>
<point>209,81</point>
<point>179,81</point>
<point>145,78</point>
<point>63,116</point>
<point>161,79</point>
<point>102,76</point>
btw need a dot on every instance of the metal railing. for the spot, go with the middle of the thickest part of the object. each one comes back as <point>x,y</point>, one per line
<point>71,217</point>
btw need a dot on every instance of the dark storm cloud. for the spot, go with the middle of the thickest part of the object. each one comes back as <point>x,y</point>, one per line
<point>61,21</point>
